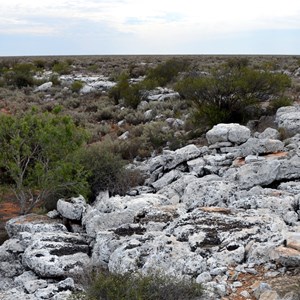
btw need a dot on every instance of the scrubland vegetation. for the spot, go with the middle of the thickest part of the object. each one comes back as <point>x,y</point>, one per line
<point>60,141</point>
<point>133,286</point>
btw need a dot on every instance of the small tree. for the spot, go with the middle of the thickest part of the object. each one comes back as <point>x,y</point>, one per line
<point>225,95</point>
<point>37,153</point>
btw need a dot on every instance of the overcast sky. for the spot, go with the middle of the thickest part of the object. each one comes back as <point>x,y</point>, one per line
<point>69,27</point>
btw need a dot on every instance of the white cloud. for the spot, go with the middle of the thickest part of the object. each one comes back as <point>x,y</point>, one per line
<point>164,22</point>
<point>214,14</point>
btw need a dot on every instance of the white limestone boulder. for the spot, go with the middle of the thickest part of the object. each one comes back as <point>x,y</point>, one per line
<point>72,209</point>
<point>57,254</point>
<point>33,223</point>
<point>234,133</point>
<point>289,168</point>
<point>288,118</point>
<point>255,146</point>
<point>214,193</point>
<point>288,257</point>
<point>44,87</point>
<point>269,133</point>
<point>110,213</point>
<point>258,173</point>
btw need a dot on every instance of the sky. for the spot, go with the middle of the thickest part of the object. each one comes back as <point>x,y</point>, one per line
<point>104,27</point>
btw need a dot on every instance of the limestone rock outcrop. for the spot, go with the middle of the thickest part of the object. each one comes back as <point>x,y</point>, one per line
<point>207,213</point>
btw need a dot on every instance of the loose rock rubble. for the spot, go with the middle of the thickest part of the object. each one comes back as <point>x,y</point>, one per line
<point>223,214</point>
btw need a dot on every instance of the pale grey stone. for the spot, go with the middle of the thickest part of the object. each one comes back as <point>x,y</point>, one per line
<point>33,223</point>
<point>288,118</point>
<point>237,284</point>
<point>167,179</point>
<point>288,257</point>
<point>53,214</point>
<point>289,168</point>
<point>149,114</point>
<point>253,158</point>
<point>66,284</point>
<point>269,133</point>
<point>72,209</point>
<point>245,294</point>
<point>233,133</point>
<point>181,155</point>
<point>218,271</point>
<point>124,136</point>
<point>105,244</point>
<point>290,186</point>
<point>213,193</point>
<point>47,292</point>
<point>32,286</point>
<point>269,295</point>
<point>203,277</point>
<point>43,87</point>
<point>293,240</point>
<point>255,146</point>
<point>57,254</point>
<point>260,289</point>
<point>258,173</point>
<point>175,190</point>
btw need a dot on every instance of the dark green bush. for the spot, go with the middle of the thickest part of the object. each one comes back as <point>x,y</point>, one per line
<point>54,79</point>
<point>107,170</point>
<point>166,72</point>
<point>228,93</point>
<point>40,63</point>
<point>38,155</point>
<point>76,86</point>
<point>109,286</point>
<point>61,68</point>
<point>21,75</point>
<point>280,102</point>
<point>130,94</point>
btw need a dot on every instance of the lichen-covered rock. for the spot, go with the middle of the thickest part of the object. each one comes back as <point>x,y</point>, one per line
<point>289,168</point>
<point>213,193</point>
<point>43,87</point>
<point>288,257</point>
<point>256,146</point>
<point>72,209</point>
<point>269,133</point>
<point>166,179</point>
<point>57,254</point>
<point>258,173</point>
<point>33,223</point>
<point>288,118</point>
<point>116,211</point>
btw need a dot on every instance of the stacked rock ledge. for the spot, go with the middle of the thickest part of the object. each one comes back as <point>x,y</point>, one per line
<point>214,214</point>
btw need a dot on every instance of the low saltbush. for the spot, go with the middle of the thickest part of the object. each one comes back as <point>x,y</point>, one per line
<point>110,286</point>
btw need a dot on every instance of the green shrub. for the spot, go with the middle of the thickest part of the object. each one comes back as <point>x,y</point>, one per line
<point>120,89</point>
<point>229,92</point>
<point>237,62</point>
<point>107,170</point>
<point>76,86</point>
<point>38,155</point>
<point>130,94</point>
<point>166,72</point>
<point>280,102</point>
<point>21,75</point>
<point>40,63</point>
<point>61,68</point>
<point>111,286</point>
<point>54,79</point>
